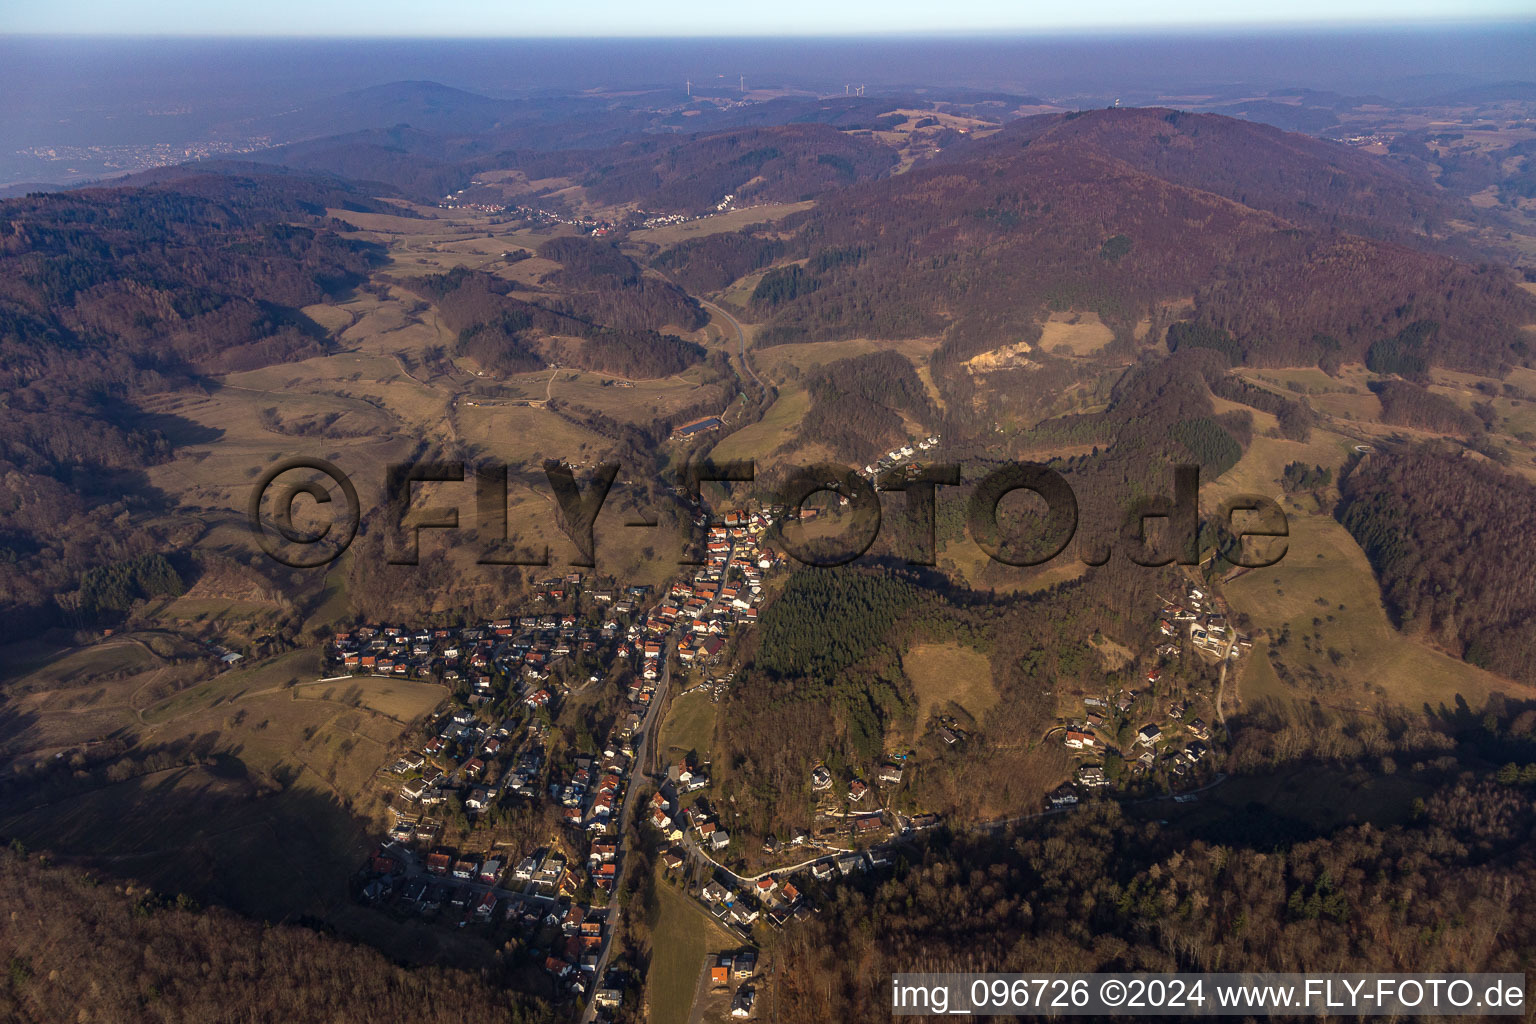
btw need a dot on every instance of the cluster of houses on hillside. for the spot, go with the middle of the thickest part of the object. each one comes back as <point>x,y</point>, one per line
<point>545,898</point>
<point>457,200</point>
<point>671,819</point>
<point>899,455</point>
<point>482,766</point>
<point>483,659</point>
<point>487,750</point>
<point>534,215</point>
<point>1176,743</point>
<point>1202,618</point>
<point>533,903</point>
<point>661,220</point>
<point>727,969</point>
<point>777,899</point>
<point>853,816</point>
<point>726,591</point>
<point>1153,748</point>
<point>666,813</point>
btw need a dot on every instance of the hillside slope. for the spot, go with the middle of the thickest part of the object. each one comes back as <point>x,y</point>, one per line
<point>80,950</point>
<point>1308,181</point>
<point>984,245</point>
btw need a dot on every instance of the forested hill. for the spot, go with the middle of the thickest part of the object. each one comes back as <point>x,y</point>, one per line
<point>108,292</point>
<point>665,161</point>
<point>1308,181</point>
<point>205,271</point>
<point>607,323</point>
<point>81,950</point>
<point>986,243</point>
<point>1448,537</point>
<point>783,163</point>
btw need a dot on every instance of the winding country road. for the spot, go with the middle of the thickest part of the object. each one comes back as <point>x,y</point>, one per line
<point>1221,687</point>
<point>741,341</point>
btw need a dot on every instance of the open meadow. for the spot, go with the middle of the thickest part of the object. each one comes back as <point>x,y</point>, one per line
<point>1323,598</point>
<point>948,673</point>
<point>246,787</point>
<point>689,727</point>
<point>683,936</point>
<point>732,220</point>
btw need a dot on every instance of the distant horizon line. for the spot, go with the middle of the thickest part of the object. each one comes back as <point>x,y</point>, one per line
<point>1397,26</point>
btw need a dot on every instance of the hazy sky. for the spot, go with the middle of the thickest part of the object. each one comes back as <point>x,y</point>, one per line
<point>471,18</point>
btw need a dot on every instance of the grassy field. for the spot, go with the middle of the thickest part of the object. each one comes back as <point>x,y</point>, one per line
<point>49,667</point>
<point>1259,679</point>
<point>1325,577</point>
<point>689,725</point>
<point>400,699</point>
<point>948,672</point>
<point>1324,591</point>
<point>214,470</point>
<point>1346,397</point>
<point>1515,418</point>
<point>1114,655</point>
<point>1079,334</point>
<point>402,222</point>
<point>1308,380</point>
<point>963,559</point>
<point>1262,465</point>
<point>382,392</point>
<point>227,687</point>
<point>735,220</point>
<point>58,701</point>
<point>213,609</point>
<point>524,435</point>
<point>1263,422</point>
<point>687,936</point>
<point>1355,407</point>
<point>779,426</point>
<point>644,402</point>
<point>271,817</point>
<point>812,354</point>
<point>332,317</point>
<point>379,394</point>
